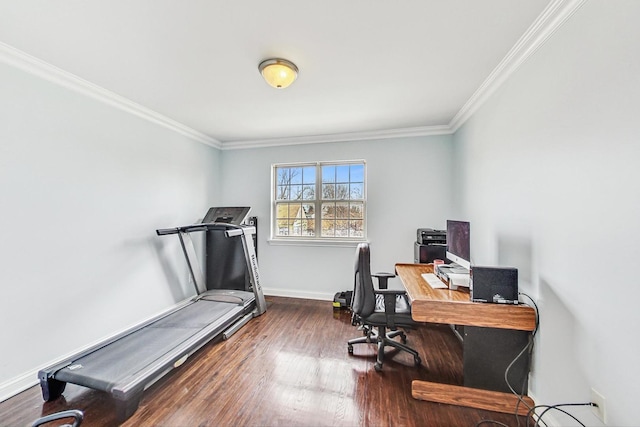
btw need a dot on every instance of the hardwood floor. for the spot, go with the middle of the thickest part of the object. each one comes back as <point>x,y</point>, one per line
<point>288,367</point>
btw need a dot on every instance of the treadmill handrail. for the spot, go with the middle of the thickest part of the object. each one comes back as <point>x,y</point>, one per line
<point>195,227</point>
<point>230,230</point>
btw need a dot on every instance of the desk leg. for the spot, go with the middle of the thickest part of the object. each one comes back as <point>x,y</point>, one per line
<point>487,354</point>
<point>470,397</point>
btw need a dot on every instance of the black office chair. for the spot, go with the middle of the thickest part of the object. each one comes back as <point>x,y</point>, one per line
<point>379,309</point>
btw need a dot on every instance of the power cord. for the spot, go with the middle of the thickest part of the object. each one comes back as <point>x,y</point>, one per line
<point>529,347</point>
<point>479,423</point>
<point>557,408</point>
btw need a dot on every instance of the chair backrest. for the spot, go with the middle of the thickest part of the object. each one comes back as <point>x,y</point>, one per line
<point>364,299</point>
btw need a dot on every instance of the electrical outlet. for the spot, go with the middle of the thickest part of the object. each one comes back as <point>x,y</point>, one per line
<point>600,410</point>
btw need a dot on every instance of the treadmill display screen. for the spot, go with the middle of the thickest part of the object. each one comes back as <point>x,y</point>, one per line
<point>233,215</point>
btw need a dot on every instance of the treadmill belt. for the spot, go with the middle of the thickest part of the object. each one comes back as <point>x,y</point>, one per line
<point>123,359</point>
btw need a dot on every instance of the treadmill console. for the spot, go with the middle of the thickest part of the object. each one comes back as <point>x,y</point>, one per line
<point>233,215</point>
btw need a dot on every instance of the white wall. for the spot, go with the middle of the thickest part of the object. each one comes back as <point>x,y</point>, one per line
<point>551,184</point>
<point>408,188</point>
<point>83,186</point>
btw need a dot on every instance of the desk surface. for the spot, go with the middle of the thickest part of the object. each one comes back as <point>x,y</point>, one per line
<point>455,307</point>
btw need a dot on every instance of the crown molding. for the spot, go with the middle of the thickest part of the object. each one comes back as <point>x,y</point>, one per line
<point>339,137</point>
<point>552,17</point>
<point>23,61</point>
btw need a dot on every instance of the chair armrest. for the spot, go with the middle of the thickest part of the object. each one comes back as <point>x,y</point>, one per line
<point>383,279</point>
<point>76,414</point>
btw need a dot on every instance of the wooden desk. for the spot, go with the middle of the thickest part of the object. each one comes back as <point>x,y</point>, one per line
<point>454,307</point>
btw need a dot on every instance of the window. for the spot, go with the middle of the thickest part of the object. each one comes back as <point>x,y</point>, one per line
<point>319,201</point>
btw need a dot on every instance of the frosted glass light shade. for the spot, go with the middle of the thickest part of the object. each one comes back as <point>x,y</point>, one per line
<point>279,73</point>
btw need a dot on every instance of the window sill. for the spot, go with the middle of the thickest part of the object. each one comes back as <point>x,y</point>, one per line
<point>316,242</point>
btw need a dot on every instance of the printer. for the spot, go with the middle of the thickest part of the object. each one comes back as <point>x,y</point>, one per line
<point>429,236</point>
<point>430,244</point>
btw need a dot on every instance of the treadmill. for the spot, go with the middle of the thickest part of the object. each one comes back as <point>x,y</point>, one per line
<point>127,364</point>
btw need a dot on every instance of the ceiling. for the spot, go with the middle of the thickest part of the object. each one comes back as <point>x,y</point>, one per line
<point>366,66</point>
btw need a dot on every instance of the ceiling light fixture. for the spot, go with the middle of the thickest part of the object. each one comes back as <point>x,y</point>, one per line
<point>278,72</point>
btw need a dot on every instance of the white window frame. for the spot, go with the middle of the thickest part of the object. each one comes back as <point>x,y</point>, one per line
<point>317,239</point>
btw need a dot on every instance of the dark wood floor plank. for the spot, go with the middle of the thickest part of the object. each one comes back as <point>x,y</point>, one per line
<point>288,367</point>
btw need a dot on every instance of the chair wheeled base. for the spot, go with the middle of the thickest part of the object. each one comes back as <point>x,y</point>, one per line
<point>373,336</point>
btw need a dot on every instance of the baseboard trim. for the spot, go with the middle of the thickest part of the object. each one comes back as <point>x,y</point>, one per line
<point>291,293</point>
<point>17,385</point>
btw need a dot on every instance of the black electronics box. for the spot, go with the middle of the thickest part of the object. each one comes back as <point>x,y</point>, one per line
<point>424,254</point>
<point>428,236</point>
<point>494,284</point>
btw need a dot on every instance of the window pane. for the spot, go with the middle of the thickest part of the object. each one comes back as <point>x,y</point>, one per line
<point>296,175</point>
<point>283,173</point>
<point>342,173</point>
<point>342,228</point>
<point>357,173</point>
<point>308,227</point>
<point>309,210</point>
<point>328,191</point>
<point>356,191</point>
<point>342,192</point>
<point>282,211</point>
<point>356,211</point>
<point>296,192</point>
<point>295,210</point>
<point>328,210</point>
<point>284,176</point>
<point>294,229</point>
<point>309,175</point>
<point>342,210</point>
<point>356,228</point>
<point>328,174</point>
<point>282,219</point>
<point>308,192</point>
<point>328,228</point>
<point>283,192</point>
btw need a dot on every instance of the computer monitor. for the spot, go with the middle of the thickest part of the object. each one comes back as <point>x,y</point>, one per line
<point>458,243</point>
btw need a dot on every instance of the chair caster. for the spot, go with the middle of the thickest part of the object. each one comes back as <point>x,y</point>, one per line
<point>378,367</point>
<point>403,338</point>
<point>350,348</point>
